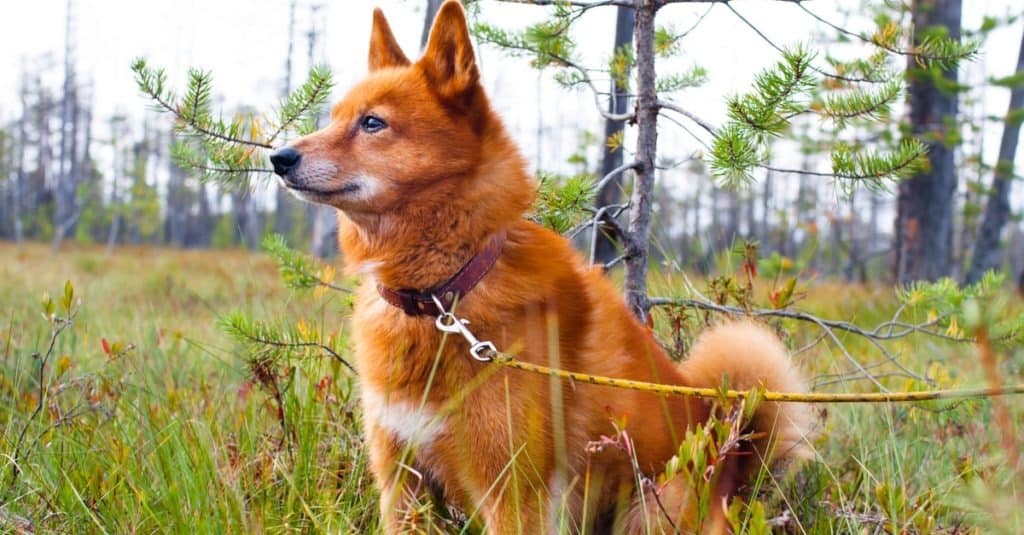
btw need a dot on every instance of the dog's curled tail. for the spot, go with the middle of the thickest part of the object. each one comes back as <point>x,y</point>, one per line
<point>742,355</point>
<point>745,355</point>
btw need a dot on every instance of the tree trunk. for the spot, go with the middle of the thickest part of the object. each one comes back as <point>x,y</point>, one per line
<point>285,205</point>
<point>177,205</point>
<point>611,193</point>
<point>64,190</point>
<point>924,221</point>
<point>240,209</point>
<point>117,133</point>
<point>19,173</point>
<point>997,209</point>
<point>203,224</point>
<point>115,202</point>
<point>646,151</point>
<point>732,224</point>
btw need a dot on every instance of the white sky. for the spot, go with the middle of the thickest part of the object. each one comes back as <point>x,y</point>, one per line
<point>244,43</point>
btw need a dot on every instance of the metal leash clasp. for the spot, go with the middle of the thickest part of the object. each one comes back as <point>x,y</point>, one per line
<point>449,323</point>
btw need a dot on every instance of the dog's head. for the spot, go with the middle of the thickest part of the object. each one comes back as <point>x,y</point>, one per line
<point>405,128</point>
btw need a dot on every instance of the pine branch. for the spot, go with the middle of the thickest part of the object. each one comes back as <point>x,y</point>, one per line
<point>257,333</point>
<point>192,111</point>
<point>859,103</point>
<point>904,161</point>
<point>305,101</point>
<point>931,51</point>
<point>545,56</point>
<point>562,201</point>
<point>298,270</point>
<point>225,150</point>
<point>766,109</point>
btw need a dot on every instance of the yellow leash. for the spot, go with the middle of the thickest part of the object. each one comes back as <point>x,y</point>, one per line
<point>801,397</point>
<point>486,352</point>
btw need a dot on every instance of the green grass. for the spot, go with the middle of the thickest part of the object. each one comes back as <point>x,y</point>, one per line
<point>180,433</point>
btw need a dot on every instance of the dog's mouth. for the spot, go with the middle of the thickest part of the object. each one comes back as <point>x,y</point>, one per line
<point>351,187</point>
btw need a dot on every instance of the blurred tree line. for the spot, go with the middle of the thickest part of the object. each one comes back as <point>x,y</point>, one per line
<point>950,217</point>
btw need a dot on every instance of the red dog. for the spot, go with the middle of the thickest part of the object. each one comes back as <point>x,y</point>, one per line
<point>431,194</point>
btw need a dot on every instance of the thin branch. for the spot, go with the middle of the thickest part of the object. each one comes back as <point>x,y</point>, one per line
<point>292,345</point>
<point>574,3</point>
<point>918,56</point>
<point>874,336</point>
<point>778,48</point>
<point>876,333</point>
<point>614,261</point>
<point>618,208</point>
<point>60,325</point>
<point>685,129</point>
<point>657,499</point>
<point>322,87</point>
<point>669,105</point>
<point>615,172</point>
<point>901,165</point>
<point>601,218</point>
<point>193,124</point>
<point>585,78</point>
<point>696,23</point>
<point>229,170</point>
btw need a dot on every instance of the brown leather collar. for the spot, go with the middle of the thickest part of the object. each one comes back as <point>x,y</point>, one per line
<point>420,303</point>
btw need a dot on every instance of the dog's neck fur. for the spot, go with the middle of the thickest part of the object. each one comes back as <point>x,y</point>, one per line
<point>402,250</point>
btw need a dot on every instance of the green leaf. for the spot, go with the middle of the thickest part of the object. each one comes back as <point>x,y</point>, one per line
<point>48,306</point>
<point>68,298</point>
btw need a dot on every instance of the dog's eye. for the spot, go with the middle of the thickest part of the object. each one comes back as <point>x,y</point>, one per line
<point>371,124</point>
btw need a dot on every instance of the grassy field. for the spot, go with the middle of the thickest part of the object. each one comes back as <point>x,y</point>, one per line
<point>153,420</point>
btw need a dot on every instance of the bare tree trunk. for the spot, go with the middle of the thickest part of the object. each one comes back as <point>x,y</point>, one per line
<point>177,205</point>
<point>732,224</point>
<point>763,233</point>
<point>116,132</point>
<point>611,193</point>
<point>286,207</point>
<point>683,243</point>
<point>6,181</point>
<point>19,173</point>
<point>873,245</point>
<point>240,209</point>
<point>698,234</point>
<point>714,233</point>
<point>748,215</point>
<point>203,229</point>
<point>42,188</point>
<point>997,209</point>
<point>323,219</point>
<point>924,221</point>
<point>325,233</point>
<point>64,191</point>
<point>646,152</point>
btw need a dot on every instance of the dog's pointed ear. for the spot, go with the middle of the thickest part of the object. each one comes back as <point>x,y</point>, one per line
<point>384,49</point>
<point>449,61</point>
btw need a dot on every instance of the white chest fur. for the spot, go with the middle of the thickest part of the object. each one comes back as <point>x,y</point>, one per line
<point>414,423</point>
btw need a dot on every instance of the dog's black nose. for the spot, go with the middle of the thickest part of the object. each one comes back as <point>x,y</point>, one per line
<point>285,160</point>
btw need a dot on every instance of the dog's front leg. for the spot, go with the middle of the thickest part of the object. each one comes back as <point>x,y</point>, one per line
<point>403,492</point>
